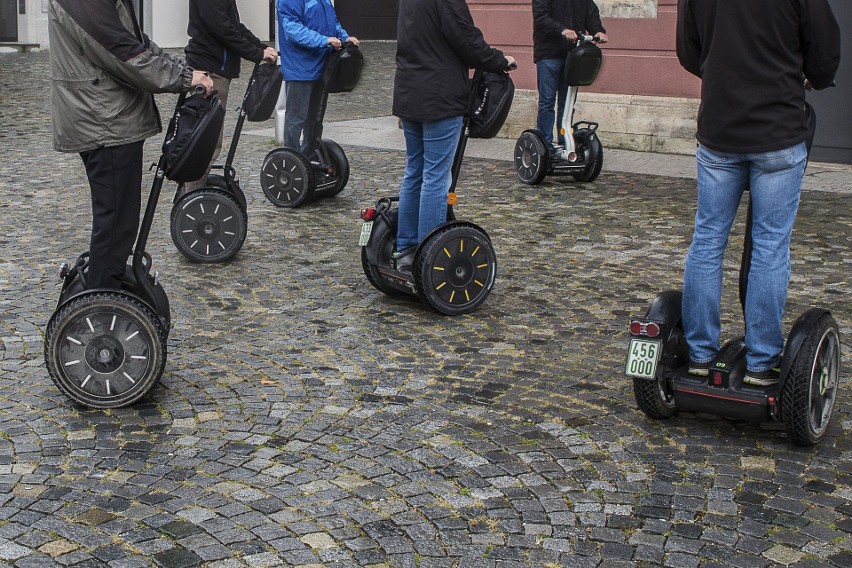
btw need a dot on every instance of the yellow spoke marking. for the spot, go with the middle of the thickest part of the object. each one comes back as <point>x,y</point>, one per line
<point>482,265</point>
<point>480,283</point>
<point>448,252</point>
<point>441,285</point>
<point>474,251</point>
<point>438,268</point>
<point>452,295</point>
<point>461,245</point>
<point>466,295</point>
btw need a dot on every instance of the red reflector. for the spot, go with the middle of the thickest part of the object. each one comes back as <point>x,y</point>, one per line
<point>649,329</point>
<point>652,329</point>
<point>717,379</point>
<point>635,327</point>
<point>368,213</point>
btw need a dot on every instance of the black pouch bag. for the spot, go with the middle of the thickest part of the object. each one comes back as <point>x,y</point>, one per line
<point>343,69</point>
<point>490,104</point>
<point>191,137</point>
<point>262,92</point>
<point>582,65</point>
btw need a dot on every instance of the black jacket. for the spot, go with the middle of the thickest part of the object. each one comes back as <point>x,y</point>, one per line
<point>217,39</point>
<point>752,58</point>
<point>437,44</point>
<point>550,17</point>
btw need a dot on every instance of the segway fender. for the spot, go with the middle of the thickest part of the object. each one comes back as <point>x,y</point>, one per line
<point>454,222</point>
<point>380,228</point>
<point>666,309</point>
<point>593,142</point>
<point>800,330</point>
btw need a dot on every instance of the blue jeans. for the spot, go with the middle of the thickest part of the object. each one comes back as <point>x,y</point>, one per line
<point>775,181</point>
<point>429,151</point>
<point>551,82</point>
<point>298,126</point>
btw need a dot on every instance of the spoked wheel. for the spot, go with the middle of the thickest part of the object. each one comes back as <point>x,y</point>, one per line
<point>339,166</point>
<point>286,178</point>
<point>208,225</point>
<point>382,242</point>
<point>105,349</point>
<point>532,157</point>
<point>587,144</point>
<point>455,269</point>
<point>810,389</point>
<point>655,397</point>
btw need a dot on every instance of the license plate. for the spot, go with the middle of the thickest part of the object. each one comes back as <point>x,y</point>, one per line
<point>642,358</point>
<point>366,229</point>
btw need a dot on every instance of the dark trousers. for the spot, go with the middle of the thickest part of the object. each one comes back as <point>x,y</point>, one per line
<point>300,109</point>
<point>115,178</point>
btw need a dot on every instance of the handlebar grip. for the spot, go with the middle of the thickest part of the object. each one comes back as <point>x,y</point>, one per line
<point>513,66</point>
<point>198,90</point>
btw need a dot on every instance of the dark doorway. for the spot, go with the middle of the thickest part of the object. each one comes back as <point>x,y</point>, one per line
<point>9,20</point>
<point>368,19</point>
<point>833,141</point>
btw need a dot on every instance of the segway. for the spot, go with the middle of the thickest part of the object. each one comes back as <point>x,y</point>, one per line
<point>803,399</point>
<point>582,155</point>
<point>455,265</point>
<point>287,177</point>
<point>106,348</point>
<point>209,224</point>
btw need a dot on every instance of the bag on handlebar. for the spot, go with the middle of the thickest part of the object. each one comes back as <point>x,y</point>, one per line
<point>191,137</point>
<point>490,104</point>
<point>343,69</point>
<point>582,65</point>
<point>263,91</point>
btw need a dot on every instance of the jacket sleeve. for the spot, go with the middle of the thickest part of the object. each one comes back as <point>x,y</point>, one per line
<point>223,25</point>
<point>466,39</point>
<point>688,42</point>
<point>820,37</point>
<point>290,14</point>
<point>542,20</point>
<point>593,19</point>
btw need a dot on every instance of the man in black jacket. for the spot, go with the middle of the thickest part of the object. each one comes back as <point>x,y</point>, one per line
<point>217,42</point>
<point>556,24</point>
<point>752,129</point>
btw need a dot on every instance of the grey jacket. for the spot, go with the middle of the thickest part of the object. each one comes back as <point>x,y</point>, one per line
<point>104,71</point>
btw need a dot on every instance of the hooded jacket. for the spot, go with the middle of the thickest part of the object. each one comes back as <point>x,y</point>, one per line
<point>752,58</point>
<point>103,73</point>
<point>304,27</point>
<point>550,17</point>
<point>218,40</point>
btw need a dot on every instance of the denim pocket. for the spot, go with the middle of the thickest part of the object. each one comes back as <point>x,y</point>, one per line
<point>707,156</point>
<point>783,159</point>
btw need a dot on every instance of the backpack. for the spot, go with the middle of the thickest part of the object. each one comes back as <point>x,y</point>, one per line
<point>262,93</point>
<point>582,65</point>
<point>343,69</point>
<point>491,102</point>
<point>191,137</point>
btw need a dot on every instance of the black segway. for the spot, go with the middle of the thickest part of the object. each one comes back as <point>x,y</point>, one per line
<point>209,224</point>
<point>106,348</point>
<point>287,177</point>
<point>803,399</point>
<point>582,155</point>
<point>455,266</point>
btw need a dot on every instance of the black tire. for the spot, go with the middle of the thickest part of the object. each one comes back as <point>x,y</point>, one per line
<point>339,165</point>
<point>655,398</point>
<point>287,178</point>
<point>105,349</point>
<point>582,140</point>
<point>208,225</point>
<point>455,269</point>
<point>532,158</point>
<point>810,389</point>
<point>383,242</point>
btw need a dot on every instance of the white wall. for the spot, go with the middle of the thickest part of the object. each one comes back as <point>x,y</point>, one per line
<point>167,19</point>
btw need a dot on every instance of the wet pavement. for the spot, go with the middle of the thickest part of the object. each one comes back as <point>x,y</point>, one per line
<point>305,419</point>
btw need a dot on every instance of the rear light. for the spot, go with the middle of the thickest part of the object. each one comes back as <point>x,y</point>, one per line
<point>648,329</point>
<point>716,379</point>
<point>368,213</point>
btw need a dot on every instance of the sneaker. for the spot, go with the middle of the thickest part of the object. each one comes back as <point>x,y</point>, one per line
<point>403,259</point>
<point>699,369</point>
<point>763,378</point>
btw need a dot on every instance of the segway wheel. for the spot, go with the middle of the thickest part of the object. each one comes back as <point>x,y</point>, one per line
<point>208,225</point>
<point>655,397</point>
<point>286,178</point>
<point>594,165</point>
<point>532,158</point>
<point>382,241</point>
<point>339,165</point>
<point>455,269</point>
<point>810,389</point>
<point>105,349</point>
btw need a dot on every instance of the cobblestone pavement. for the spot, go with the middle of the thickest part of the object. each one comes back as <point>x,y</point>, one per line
<point>305,419</point>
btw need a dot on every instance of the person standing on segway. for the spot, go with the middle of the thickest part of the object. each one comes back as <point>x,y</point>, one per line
<point>556,24</point>
<point>438,44</point>
<point>217,42</point>
<point>104,71</point>
<point>307,31</point>
<point>752,130</point>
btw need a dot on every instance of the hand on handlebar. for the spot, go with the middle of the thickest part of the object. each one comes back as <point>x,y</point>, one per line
<point>512,64</point>
<point>570,35</point>
<point>202,79</point>
<point>601,37</point>
<point>334,42</point>
<point>353,40</point>
<point>270,54</point>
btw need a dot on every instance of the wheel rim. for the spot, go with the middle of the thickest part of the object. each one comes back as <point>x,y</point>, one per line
<point>462,272</point>
<point>283,179</point>
<point>527,158</point>
<point>208,227</point>
<point>823,381</point>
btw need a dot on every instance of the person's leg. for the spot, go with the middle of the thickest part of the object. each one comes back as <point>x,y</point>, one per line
<point>440,140</point>
<point>296,112</point>
<point>776,183</point>
<point>561,97</point>
<point>409,190</point>
<point>314,109</point>
<point>548,71</point>
<point>222,86</point>
<point>115,179</point>
<point>721,181</point>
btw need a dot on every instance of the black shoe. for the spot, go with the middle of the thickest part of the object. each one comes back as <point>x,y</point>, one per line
<point>765,378</point>
<point>699,369</point>
<point>402,260</point>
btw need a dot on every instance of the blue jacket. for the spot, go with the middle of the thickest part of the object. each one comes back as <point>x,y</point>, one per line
<point>304,27</point>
